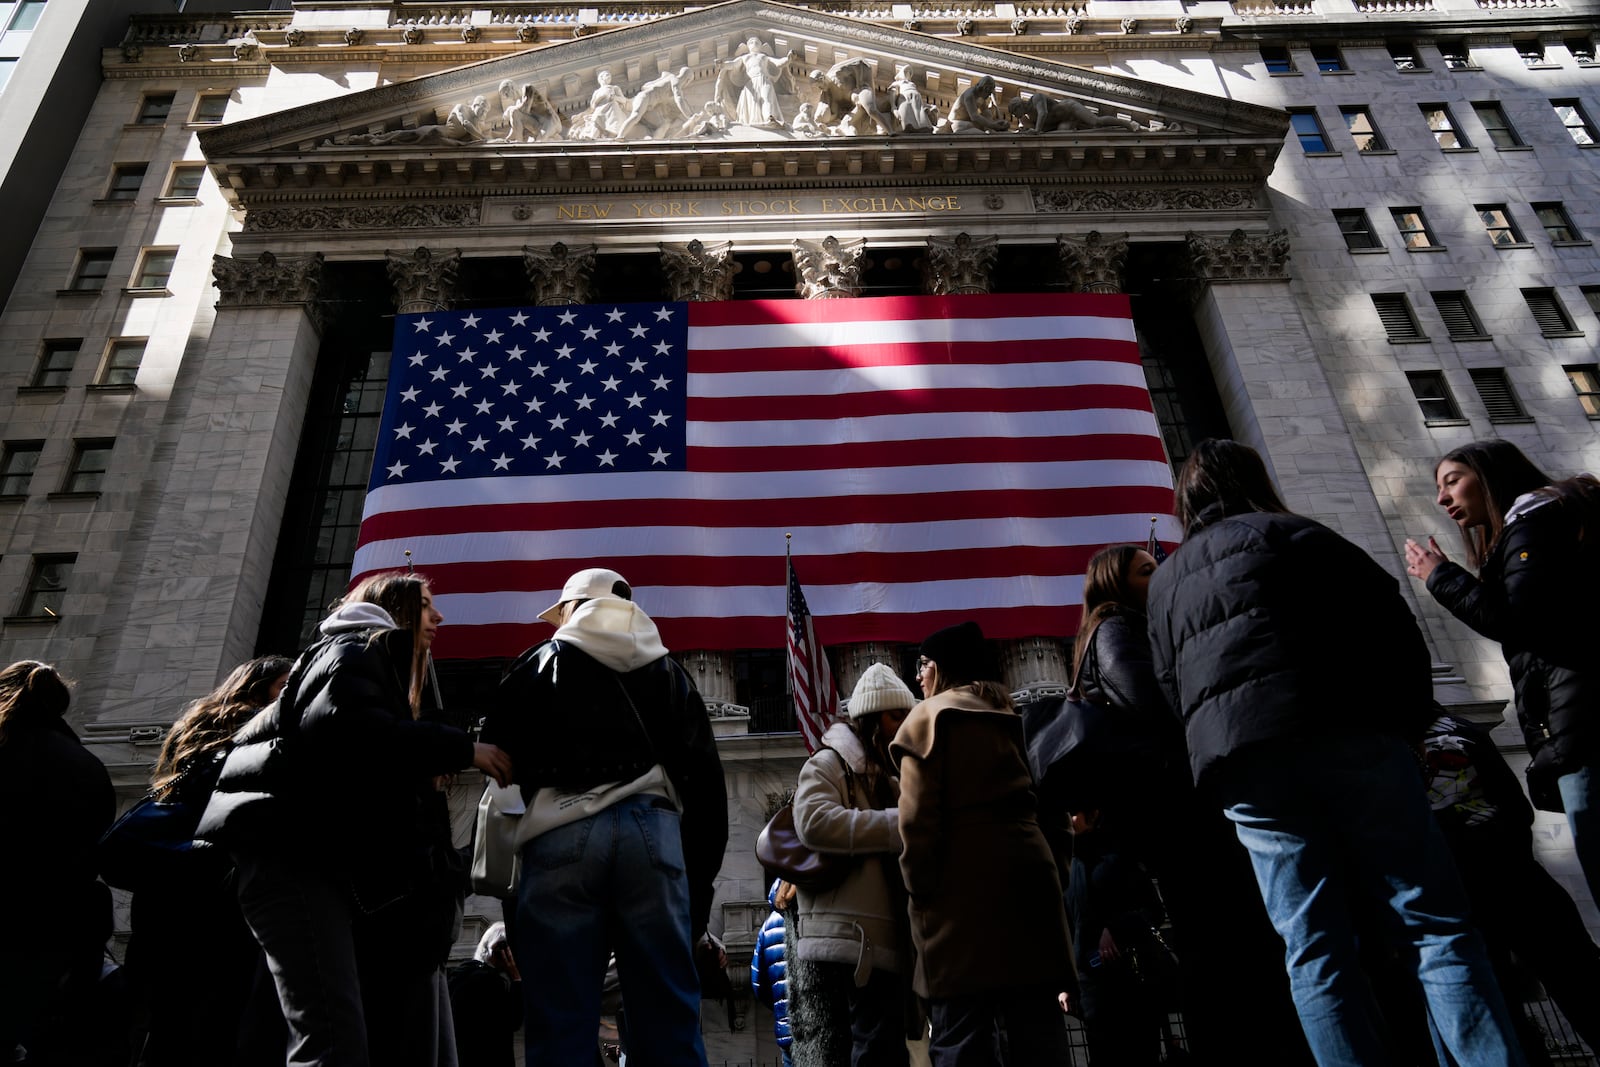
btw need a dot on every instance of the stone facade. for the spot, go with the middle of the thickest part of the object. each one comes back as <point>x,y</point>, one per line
<point>344,138</point>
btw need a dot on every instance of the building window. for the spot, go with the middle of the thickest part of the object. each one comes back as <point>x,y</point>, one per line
<point>1456,55</point>
<point>185,182</point>
<point>47,586</point>
<point>1501,133</point>
<point>1357,229</point>
<point>17,465</point>
<point>155,268</point>
<point>1531,49</point>
<point>1394,311</point>
<point>1573,117</point>
<point>8,66</point>
<point>1277,59</point>
<point>26,17</point>
<point>1556,222</point>
<point>1550,313</point>
<point>126,178</point>
<point>1443,125</point>
<point>1413,227</point>
<point>1591,293</point>
<point>209,109</point>
<point>154,109</point>
<point>55,363</point>
<point>1499,399</point>
<point>1363,129</point>
<point>1580,48</point>
<point>1405,55</point>
<point>1585,380</point>
<point>1433,397</point>
<point>94,265</point>
<point>1308,128</point>
<point>1328,58</point>
<point>122,363</point>
<point>1460,320</point>
<point>1497,224</point>
<point>90,461</point>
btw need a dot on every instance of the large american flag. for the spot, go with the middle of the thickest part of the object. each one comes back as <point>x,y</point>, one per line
<point>816,700</point>
<point>939,458</point>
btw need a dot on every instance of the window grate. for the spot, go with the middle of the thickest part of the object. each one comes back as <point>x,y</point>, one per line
<point>1394,311</point>
<point>1499,400</point>
<point>1460,321</point>
<point>1549,312</point>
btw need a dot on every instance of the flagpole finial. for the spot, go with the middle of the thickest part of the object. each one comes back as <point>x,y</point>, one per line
<point>788,537</point>
<point>409,568</point>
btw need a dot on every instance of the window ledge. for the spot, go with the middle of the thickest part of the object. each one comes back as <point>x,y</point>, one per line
<point>1510,420</point>
<point>1286,74</point>
<point>31,620</point>
<point>1313,155</point>
<point>41,390</point>
<point>1336,73</point>
<point>1446,422</point>
<point>178,201</point>
<point>1468,68</point>
<point>1426,248</point>
<point>112,201</point>
<point>1588,63</point>
<point>1457,151</point>
<point>1413,70</point>
<point>1541,66</point>
<point>145,125</point>
<point>1591,144</point>
<point>1564,333</point>
<point>79,292</point>
<point>111,387</point>
<point>1514,148</point>
<point>74,494</point>
<point>1571,244</point>
<point>200,125</point>
<point>134,290</point>
<point>1410,341</point>
<point>1368,251</point>
<point>1471,337</point>
<point>1377,152</point>
<point>1515,244</point>
<point>17,498</point>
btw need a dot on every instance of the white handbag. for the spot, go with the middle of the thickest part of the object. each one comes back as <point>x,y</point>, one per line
<point>496,867</point>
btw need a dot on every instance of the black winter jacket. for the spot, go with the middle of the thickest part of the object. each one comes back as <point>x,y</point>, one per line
<point>564,719</point>
<point>1534,595</point>
<point>1251,621</point>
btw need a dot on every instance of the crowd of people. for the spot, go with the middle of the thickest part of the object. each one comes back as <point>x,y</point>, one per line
<point>1308,869</point>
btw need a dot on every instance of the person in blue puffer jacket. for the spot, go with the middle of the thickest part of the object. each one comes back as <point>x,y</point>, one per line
<point>769,979</point>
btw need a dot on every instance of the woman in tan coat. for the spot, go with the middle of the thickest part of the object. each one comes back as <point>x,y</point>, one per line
<point>987,918</point>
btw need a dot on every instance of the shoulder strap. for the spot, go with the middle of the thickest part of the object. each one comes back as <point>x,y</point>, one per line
<point>849,775</point>
<point>648,740</point>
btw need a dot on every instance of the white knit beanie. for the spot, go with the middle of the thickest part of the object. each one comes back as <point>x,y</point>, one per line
<point>880,689</point>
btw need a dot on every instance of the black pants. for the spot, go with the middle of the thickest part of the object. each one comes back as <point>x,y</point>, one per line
<point>1005,1028</point>
<point>877,1020</point>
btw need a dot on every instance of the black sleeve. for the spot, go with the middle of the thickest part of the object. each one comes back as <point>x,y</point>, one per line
<point>1479,605</point>
<point>1127,667</point>
<point>1543,569</point>
<point>696,772</point>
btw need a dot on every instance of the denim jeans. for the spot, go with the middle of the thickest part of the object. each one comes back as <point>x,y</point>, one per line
<point>613,882</point>
<point>1580,795</point>
<point>1327,820</point>
<point>1006,1028</point>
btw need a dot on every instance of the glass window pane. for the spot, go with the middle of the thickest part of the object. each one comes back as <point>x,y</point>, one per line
<point>27,18</point>
<point>186,182</point>
<point>155,270</point>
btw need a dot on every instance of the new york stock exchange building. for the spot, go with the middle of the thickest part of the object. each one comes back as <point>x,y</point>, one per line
<point>1352,233</point>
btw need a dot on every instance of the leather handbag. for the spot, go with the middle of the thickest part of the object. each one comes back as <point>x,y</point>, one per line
<point>150,844</point>
<point>496,866</point>
<point>781,851</point>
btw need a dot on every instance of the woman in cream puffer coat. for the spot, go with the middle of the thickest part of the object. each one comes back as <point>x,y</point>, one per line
<point>846,802</point>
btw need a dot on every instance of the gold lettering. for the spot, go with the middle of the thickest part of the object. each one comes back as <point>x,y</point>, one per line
<point>794,207</point>
<point>916,203</point>
<point>564,211</point>
<point>954,206</point>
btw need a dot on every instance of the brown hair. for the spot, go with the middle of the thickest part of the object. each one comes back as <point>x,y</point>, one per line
<point>400,594</point>
<point>30,693</point>
<point>992,693</point>
<point>1503,473</point>
<point>1105,592</point>
<point>208,723</point>
<point>1220,471</point>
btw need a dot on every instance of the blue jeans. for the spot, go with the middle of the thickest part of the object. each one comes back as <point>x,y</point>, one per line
<point>1006,1028</point>
<point>1327,820</point>
<point>613,882</point>
<point>1580,795</point>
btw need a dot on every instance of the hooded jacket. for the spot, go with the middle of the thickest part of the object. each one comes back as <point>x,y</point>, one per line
<point>858,921</point>
<point>1532,596</point>
<point>601,704</point>
<point>769,970</point>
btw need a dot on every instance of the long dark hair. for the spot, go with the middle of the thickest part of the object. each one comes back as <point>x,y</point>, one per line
<point>208,723</point>
<point>31,693</point>
<point>400,594</point>
<point>1105,592</point>
<point>1504,473</point>
<point>1225,472</point>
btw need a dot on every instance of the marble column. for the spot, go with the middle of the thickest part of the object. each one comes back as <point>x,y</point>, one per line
<point>560,274</point>
<point>959,264</point>
<point>1094,262</point>
<point>698,271</point>
<point>424,280</point>
<point>829,269</point>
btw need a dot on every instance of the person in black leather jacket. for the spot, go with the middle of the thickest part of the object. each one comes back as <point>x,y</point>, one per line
<point>340,875</point>
<point>1319,779</point>
<point>626,824</point>
<point>1537,549</point>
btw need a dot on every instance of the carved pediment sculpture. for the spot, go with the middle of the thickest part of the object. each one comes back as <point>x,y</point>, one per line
<point>974,110</point>
<point>1043,114</point>
<point>528,113</point>
<point>843,100</point>
<point>748,85</point>
<point>464,125</point>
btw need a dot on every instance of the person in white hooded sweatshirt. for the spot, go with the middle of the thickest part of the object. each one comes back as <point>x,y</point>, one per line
<point>626,825</point>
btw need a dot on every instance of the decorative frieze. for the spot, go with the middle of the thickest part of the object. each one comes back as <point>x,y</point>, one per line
<point>424,280</point>
<point>560,274</point>
<point>1146,198</point>
<point>959,264</point>
<point>829,269</point>
<point>268,281</point>
<point>1093,263</point>
<point>698,271</point>
<point>1240,257</point>
<point>408,216</point>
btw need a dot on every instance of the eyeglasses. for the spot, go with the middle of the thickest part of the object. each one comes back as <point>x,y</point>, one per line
<point>923,663</point>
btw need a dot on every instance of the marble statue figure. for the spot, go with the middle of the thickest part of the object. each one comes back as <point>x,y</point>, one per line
<point>1041,114</point>
<point>974,109</point>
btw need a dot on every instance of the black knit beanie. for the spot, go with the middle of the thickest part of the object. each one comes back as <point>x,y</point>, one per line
<point>959,653</point>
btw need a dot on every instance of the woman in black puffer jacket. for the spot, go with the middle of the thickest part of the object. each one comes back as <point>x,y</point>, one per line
<point>1537,549</point>
<point>340,865</point>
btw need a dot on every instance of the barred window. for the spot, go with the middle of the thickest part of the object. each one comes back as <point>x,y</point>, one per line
<point>1550,313</point>
<point>1394,311</point>
<point>1499,399</point>
<point>1460,320</point>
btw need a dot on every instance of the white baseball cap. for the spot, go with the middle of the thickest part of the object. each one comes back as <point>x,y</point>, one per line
<point>587,585</point>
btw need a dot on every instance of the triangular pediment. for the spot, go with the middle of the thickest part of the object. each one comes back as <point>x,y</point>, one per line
<point>748,78</point>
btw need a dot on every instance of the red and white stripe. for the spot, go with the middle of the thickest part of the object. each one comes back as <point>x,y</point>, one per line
<point>816,699</point>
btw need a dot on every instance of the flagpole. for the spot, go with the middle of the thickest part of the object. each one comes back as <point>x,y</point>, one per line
<point>788,674</point>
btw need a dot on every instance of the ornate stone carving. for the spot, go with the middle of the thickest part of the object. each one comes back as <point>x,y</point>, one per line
<point>132,53</point>
<point>1019,26</point>
<point>423,280</point>
<point>527,33</point>
<point>1240,257</point>
<point>966,25</point>
<point>1034,663</point>
<point>855,659</point>
<point>528,113</point>
<point>1183,24</point>
<point>1173,198</point>
<point>294,37</point>
<point>412,34</point>
<point>1042,114</point>
<point>1130,25</point>
<point>697,271</point>
<point>911,25</point>
<point>464,125</point>
<point>1093,263</point>
<point>974,110</point>
<point>911,111</point>
<point>366,217</point>
<point>748,84</point>
<point>470,34</point>
<point>187,51</point>
<point>844,102</point>
<point>959,264</point>
<point>1075,22</point>
<point>354,36</point>
<point>830,268</point>
<point>268,281</point>
<point>712,672</point>
<point>559,274</point>
<point>582,29</point>
<point>245,47</point>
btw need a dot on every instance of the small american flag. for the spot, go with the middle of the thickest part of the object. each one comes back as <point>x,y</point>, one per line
<point>816,701</point>
<point>1153,546</point>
